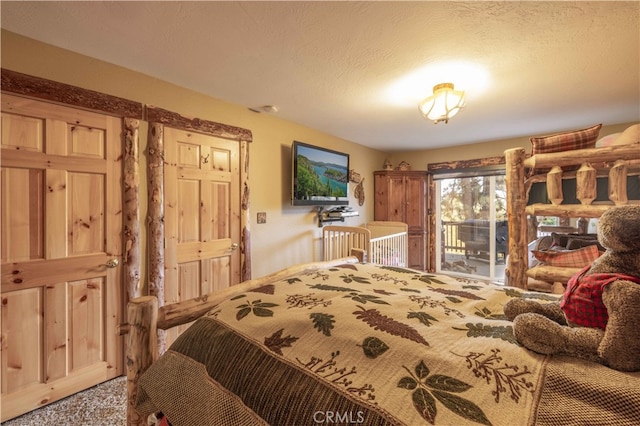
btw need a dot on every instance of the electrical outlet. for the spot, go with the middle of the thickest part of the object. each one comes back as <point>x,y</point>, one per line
<point>262,217</point>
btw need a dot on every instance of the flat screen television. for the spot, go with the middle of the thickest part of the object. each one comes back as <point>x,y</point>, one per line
<point>320,176</point>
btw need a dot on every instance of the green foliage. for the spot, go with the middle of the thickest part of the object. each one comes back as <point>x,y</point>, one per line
<point>429,279</point>
<point>487,314</point>
<point>309,182</point>
<point>431,388</point>
<point>259,309</point>
<point>323,322</point>
<point>373,347</point>
<point>277,341</point>
<point>330,287</point>
<point>347,278</point>
<point>469,197</point>
<point>398,269</point>
<point>364,298</point>
<point>423,317</point>
<point>494,331</point>
<point>536,296</point>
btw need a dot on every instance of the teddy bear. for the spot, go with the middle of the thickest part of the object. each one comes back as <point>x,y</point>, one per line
<point>598,317</point>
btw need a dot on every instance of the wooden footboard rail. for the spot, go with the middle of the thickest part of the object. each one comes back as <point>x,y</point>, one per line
<point>616,162</point>
<point>145,318</point>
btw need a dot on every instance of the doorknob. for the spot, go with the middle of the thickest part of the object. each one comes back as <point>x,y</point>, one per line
<point>234,246</point>
<point>112,263</point>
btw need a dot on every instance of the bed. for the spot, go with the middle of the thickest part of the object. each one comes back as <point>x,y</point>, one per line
<point>350,342</point>
<point>379,242</point>
<point>583,167</point>
<point>361,343</point>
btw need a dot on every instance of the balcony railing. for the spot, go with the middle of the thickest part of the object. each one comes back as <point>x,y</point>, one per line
<point>450,241</point>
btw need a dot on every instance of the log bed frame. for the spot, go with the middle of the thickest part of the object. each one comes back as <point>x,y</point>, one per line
<point>145,318</point>
<point>616,162</point>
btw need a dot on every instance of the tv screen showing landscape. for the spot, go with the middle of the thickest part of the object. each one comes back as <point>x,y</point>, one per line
<point>320,176</point>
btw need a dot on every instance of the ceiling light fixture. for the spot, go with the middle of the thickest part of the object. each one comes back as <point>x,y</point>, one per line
<point>443,104</point>
<point>265,108</point>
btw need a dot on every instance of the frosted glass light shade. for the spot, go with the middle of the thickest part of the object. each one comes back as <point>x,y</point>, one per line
<point>443,104</point>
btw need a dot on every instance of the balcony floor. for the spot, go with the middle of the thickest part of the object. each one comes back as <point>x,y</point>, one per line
<point>476,267</point>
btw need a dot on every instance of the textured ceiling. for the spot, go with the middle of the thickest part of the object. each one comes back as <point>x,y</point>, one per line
<point>357,70</point>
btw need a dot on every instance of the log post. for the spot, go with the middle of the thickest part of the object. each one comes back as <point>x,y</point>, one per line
<point>532,228</point>
<point>131,212</point>
<point>245,219</point>
<point>586,190</point>
<point>142,317</point>
<point>516,202</point>
<point>155,218</point>
<point>554,186</point>
<point>618,183</point>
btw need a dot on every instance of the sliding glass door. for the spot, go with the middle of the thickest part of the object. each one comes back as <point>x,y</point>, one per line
<point>471,215</point>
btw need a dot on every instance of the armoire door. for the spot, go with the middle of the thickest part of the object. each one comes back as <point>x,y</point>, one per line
<point>401,196</point>
<point>202,216</point>
<point>61,228</point>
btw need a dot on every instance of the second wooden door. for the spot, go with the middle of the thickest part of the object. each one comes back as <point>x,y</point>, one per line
<point>202,215</point>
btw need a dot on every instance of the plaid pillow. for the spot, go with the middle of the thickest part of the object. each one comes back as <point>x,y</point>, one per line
<point>568,258</point>
<point>566,141</point>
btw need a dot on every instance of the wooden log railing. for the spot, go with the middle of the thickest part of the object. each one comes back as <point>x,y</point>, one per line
<point>577,157</point>
<point>145,318</point>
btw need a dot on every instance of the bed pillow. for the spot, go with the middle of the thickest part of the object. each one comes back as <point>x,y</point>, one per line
<point>566,141</point>
<point>607,140</point>
<point>630,135</point>
<point>574,241</point>
<point>577,242</point>
<point>568,258</point>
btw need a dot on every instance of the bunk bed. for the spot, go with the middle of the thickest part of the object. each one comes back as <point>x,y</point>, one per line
<point>583,166</point>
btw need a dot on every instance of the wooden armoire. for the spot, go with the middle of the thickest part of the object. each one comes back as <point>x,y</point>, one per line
<point>402,196</point>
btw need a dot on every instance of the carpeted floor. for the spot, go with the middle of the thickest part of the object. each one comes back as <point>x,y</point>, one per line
<point>102,405</point>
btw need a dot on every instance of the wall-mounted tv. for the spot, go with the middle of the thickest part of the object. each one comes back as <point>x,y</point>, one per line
<point>320,176</point>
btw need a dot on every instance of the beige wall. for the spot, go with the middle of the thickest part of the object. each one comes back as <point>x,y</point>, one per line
<point>420,159</point>
<point>291,234</point>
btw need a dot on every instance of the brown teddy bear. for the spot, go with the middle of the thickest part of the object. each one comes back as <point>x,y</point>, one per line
<point>598,318</point>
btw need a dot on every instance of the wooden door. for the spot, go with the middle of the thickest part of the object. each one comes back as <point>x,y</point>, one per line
<point>401,196</point>
<point>415,218</point>
<point>61,222</point>
<point>202,216</point>
<point>415,193</point>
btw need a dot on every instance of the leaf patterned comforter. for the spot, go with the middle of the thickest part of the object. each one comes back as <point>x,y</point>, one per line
<point>373,345</point>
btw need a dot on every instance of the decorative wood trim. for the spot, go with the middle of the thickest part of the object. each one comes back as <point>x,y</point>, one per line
<point>155,209</point>
<point>177,121</point>
<point>245,219</point>
<point>48,90</point>
<point>131,208</point>
<point>465,164</point>
<point>155,217</point>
